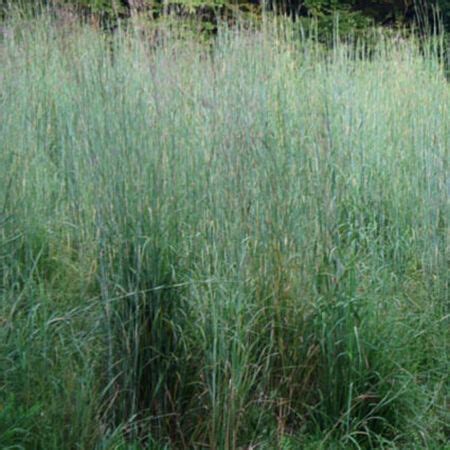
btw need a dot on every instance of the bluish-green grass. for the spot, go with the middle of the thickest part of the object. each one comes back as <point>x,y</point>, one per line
<point>234,245</point>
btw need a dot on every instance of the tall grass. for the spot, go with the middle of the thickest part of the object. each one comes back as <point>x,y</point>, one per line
<point>239,245</point>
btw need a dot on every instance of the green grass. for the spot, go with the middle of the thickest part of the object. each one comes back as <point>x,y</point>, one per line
<point>240,244</point>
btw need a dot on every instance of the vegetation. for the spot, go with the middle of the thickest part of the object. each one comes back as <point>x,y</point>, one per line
<point>352,13</point>
<point>235,244</point>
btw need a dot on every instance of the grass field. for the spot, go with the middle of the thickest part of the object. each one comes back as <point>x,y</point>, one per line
<point>240,244</point>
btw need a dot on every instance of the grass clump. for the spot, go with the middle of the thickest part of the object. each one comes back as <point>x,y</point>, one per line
<point>234,246</point>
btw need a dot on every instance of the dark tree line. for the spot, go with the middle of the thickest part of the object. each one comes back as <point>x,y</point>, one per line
<point>357,13</point>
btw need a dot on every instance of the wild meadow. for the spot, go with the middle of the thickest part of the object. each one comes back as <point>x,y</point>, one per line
<point>241,243</point>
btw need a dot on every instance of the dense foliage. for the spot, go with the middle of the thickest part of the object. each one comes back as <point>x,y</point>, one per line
<point>352,13</point>
<point>227,246</point>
